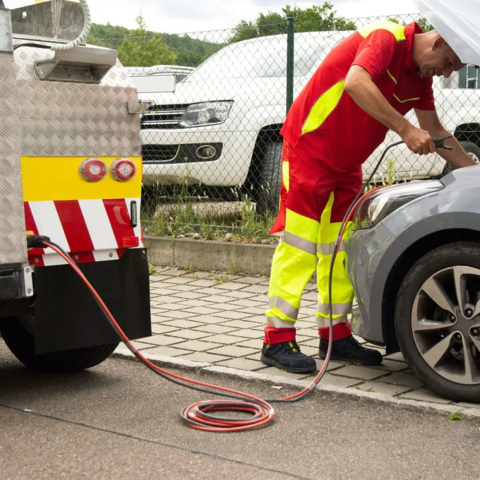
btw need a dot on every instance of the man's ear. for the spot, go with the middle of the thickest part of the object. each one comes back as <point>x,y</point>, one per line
<point>439,42</point>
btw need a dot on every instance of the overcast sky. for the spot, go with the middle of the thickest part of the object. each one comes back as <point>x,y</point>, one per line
<point>182,16</point>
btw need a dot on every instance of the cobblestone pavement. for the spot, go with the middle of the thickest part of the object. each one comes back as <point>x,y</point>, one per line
<point>218,319</point>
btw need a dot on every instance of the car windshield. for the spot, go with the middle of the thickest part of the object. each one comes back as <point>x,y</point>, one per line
<point>265,57</point>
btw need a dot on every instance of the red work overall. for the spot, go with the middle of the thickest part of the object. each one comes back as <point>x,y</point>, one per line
<point>327,138</point>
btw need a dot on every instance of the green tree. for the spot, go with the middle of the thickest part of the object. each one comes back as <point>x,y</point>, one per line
<point>426,27</point>
<point>140,49</point>
<point>244,31</point>
<point>423,22</point>
<point>319,18</point>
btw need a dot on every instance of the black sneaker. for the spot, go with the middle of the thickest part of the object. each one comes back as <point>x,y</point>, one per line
<point>349,350</point>
<point>287,356</point>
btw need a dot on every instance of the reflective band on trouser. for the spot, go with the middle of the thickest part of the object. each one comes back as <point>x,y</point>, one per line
<point>283,306</point>
<point>292,267</point>
<point>300,243</point>
<point>397,30</point>
<point>324,322</point>
<point>337,309</point>
<point>323,107</point>
<point>277,323</point>
<point>342,290</point>
<point>328,248</point>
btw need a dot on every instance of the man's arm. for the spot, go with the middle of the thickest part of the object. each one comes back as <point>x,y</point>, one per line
<point>367,96</point>
<point>429,121</point>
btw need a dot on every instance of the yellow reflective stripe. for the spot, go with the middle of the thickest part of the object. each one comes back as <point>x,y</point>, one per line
<point>325,219</point>
<point>300,243</point>
<point>284,307</point>
<point>407,100</point>
<point>301,226</point>
<point>324,322</point>
<point>392,77</point>
<point>286,175</point>
<point>323,107</point>
<point>397,30</point>
<point>337,308</point>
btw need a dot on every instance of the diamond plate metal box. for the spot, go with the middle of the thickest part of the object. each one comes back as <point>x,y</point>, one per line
<point>61,119</point>
<point>13,247</point>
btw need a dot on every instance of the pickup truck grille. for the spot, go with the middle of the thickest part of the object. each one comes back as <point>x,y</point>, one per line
<point>163,116</point>
<point>159,153</point>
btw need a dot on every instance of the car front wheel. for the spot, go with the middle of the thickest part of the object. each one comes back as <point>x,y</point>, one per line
<point>437,320</point>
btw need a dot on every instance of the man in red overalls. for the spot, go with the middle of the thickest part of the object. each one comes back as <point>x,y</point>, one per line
<point>363,88</point>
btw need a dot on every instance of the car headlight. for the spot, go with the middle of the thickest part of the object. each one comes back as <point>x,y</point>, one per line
<point>209,113</point>
<point>378,205</point>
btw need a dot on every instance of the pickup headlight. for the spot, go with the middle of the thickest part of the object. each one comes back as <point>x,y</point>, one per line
<point>383,202</point>
<point>210,113</point>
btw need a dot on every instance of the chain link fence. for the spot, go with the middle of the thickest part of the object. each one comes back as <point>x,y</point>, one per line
<point>211,139</point>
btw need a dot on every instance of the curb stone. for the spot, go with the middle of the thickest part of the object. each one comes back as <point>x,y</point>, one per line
<point>162,361</point>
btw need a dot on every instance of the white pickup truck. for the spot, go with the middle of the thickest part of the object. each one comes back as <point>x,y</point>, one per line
<point>221,126</point>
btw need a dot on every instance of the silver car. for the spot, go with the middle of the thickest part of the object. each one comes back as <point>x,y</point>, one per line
<point>414,261</point>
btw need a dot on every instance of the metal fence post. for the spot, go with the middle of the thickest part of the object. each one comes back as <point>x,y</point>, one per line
<point>290,60</point>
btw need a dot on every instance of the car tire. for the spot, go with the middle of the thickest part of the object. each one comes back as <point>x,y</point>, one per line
<point>267,194</point>
<point>22,344</point>
<point>438,261</point>
<point>471,148</point>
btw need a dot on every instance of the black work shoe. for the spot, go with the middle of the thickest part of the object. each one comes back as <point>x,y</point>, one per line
<point>287,356</point>
<point>349,350</point>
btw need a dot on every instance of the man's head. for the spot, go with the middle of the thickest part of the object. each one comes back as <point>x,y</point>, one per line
<point>434,56</point>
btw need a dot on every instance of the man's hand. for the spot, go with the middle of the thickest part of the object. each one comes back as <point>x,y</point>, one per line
<point>417,140</point>
<point>429,120</point>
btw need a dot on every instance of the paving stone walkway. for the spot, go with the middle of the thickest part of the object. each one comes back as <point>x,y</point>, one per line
<point>219,319</point>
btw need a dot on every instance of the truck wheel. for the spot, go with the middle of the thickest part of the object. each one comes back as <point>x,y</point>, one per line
<point>22,344</point>
<point>437,320</point>
<point>267,193</point>
<point>472,149</point>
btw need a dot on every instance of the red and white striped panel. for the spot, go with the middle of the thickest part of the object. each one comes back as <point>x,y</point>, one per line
<point>90,230</point>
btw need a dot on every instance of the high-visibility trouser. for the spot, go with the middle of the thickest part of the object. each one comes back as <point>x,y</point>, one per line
<point>313,203</point>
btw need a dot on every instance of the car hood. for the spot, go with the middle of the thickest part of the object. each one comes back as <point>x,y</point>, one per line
<point>457,22</point>
<point>254,91</point>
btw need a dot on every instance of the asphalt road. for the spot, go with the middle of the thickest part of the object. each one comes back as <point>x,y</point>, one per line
<point>120,421</point>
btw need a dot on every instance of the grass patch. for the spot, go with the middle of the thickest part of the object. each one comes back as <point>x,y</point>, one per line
<point>152,269</point>
<point>455,416</point>
<point>185,215</point>
<point>221,280</point>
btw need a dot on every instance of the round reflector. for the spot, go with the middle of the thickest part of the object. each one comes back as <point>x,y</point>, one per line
<point>93,169</point>
<point>123,169</point>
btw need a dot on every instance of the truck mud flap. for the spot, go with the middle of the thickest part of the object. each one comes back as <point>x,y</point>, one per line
<point>67,316</point>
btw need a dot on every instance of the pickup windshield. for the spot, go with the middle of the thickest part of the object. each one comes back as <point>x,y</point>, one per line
<point>265,57</point>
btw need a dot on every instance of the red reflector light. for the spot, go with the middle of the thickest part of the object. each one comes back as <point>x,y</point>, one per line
<point>93,169</point>
<point>129,242</point>
<point>123,169</point>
